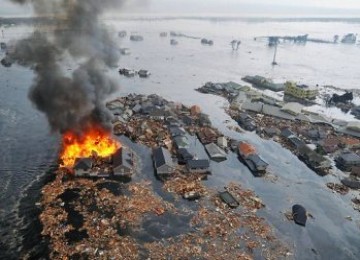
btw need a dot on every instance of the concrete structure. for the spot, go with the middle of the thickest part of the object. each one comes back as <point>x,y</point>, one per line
<point>300,91</point>
<point>163,162</point>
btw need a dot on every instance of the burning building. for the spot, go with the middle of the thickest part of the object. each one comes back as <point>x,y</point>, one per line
<point>73,104</point>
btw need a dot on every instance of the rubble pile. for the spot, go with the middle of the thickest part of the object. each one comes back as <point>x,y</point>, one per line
<point>222,232</point>
<point>106,219</point>
<point>356,203</point>
<point>145,131</point>
<point>339,188</point>
<point>186,185</point>
<point>97,217</point>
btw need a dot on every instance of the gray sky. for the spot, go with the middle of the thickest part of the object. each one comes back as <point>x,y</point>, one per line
<point>233,7</point>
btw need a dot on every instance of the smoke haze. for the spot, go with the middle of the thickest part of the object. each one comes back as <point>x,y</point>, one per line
<point>70,102</point>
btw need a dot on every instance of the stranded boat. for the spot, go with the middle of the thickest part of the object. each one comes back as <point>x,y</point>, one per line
<point>248,154</point>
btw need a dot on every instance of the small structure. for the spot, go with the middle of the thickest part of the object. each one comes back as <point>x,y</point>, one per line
<point>198,166</point>
<point>300,91</point>
<point>229,199</point>
<point>286,133</point>
<point>163,162</point>
<point>163,34</point>
<point>207,135</point>
<point>271,131</point>
<point>292,108</point>
<point>122,163</point>
<point>6,62</point>
<point>83,167</point>
<point>207,42</point>
<point>157,114</point>
<point>246,122</point>
<point>181,142</point>
<point>215,152</point>
<point>195,110</point>
<point>264,83</point>
<point>127,72</point>
<point>222,142</point>
<point>144,73</point>
<point>125,51</point>
<point>136,38</point>
<point>314,161</point>
<point>177,131</point>
<point>122,34</point>
<point>174,42</point>
<point>184,156</point>
<point>296,142</point>
<point>349,38</point>
<point>3,46</point>
<point>347,160</point>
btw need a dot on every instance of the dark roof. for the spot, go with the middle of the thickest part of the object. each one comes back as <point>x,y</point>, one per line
<point>229,199</point>
<point>256,159</point>
<point>83,164</point>
<point>185,154</point>
<point>162,157</point>
<point>349,157</point>
<point>176,131</point>
<point>157,112</point>
<point>121,157</point>
<point>286,133</point>
<point>296,141</point>
<point>195,164</point>
<point>187,120</point>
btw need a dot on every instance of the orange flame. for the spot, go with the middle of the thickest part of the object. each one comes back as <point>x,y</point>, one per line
<point>95,139</point>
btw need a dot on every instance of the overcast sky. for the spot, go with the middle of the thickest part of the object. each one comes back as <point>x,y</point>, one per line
<point>233,7</point>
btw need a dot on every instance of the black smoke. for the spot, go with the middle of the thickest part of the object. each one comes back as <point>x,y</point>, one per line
<point>70,101</point>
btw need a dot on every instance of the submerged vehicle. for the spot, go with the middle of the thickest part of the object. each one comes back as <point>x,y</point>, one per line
<point>248,154</point>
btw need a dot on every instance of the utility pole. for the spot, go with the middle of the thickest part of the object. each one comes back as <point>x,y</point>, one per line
<point>275,52</point>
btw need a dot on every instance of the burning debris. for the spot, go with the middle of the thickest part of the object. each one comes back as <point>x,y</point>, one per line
<point>93,141</point>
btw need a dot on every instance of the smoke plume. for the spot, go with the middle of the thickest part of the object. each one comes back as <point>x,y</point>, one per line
<point>70,101</point>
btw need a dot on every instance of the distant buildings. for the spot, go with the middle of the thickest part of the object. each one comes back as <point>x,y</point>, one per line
<point>300,91</point>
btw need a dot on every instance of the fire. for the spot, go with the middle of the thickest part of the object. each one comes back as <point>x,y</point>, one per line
<point>95,139</point>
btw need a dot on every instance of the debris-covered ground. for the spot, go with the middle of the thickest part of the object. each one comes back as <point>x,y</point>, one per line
<point>90,219</point>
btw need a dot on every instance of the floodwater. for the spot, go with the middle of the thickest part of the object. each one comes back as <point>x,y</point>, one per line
<point>28,150</point>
